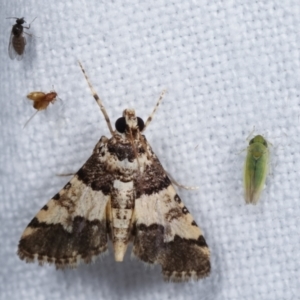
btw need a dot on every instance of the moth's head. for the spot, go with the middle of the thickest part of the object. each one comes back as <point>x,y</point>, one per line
<point>129,122</point>
<point>259,139</point>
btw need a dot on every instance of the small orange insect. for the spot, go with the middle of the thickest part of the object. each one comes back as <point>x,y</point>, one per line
<point>41,101</point>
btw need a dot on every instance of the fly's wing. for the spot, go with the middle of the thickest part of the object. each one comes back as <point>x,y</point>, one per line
<point>72,226</point>
<point>165,232</point>
<point>11,51</point>
<point>16,41</point>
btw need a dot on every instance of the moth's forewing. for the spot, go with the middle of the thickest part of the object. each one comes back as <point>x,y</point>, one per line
<point>255,169</point>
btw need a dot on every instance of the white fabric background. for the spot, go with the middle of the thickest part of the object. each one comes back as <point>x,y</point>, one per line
<point>227,65</point>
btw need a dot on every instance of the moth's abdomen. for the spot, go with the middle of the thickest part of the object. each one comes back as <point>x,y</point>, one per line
<point>122,204</point>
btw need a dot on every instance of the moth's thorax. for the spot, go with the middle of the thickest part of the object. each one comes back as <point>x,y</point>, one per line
<point>121,157</point>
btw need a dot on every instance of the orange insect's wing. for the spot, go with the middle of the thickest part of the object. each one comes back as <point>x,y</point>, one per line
<point>36,96</point>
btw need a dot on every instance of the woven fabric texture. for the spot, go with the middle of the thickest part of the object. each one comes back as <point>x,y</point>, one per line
<point>228,66</point>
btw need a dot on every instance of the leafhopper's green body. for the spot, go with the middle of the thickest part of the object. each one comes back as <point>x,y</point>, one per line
<point>255,169</point>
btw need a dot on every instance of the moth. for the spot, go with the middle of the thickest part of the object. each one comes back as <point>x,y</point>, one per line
<point>255,169</point>
<point>121,193</point>
<point>17,40</point>
<point>41,101</point>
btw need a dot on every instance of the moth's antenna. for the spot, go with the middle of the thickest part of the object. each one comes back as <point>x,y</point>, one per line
<point>154,110</point>
<point>98,100</point>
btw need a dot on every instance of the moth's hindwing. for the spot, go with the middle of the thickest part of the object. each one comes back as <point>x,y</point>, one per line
<point>165,232</point>
<point>72,226</point>
<point>255,169</point>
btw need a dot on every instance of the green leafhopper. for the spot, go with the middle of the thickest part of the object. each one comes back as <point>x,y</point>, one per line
<point>255,168</point>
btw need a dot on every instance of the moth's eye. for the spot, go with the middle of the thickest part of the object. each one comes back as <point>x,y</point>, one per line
<point>251,141</point>
<point>121,125</point>
<point>141,124</point>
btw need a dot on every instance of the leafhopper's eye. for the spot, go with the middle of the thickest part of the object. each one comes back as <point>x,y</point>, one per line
<point>251,141</point>
<point>121,125</point>
<point>141,124</point>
